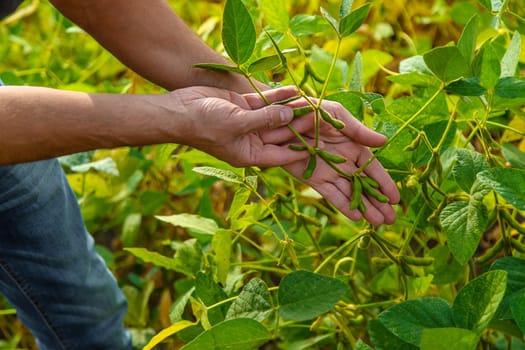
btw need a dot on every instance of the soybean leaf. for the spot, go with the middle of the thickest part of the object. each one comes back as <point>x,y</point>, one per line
<point>351,22</point>
<point>160,260</point>
<point>356,83</point>
<point>449,339</point>
<point>477,302</point>
<point>178,307</point>
<point>238,31</point>
<point>345,8</point>
<point>360,345</point>
<point>490,67</point>
<point>265,64</point>
<point>447,63</point>
<point>191,222</point>
<point>445,269</point>
<point>509,62</point>
<point>167,332</point>
<point>190,254</point>
<point>407,320</point>
<point>234,334</point>
<point>468,164</point>
<point>221,244</point>
<point>209,293</point>
<point>508,183</point>
<point>464,223</point>
<point>383,339</point>
<point>330,19</point>
<point>253,302</point>
<point>517,306</point>
<point>515,268</point>
<point>308,24</point>
<point>106,165</point>
<point>513,155</point>
<point>466,87</point>
<point>467,40</point>
<point>276,14</point>
<point>130,229</point>
<point>510,87</point>
<point>304,295</point>
<point>218,67</point>
<point>492,5</point>
<point>226,175</point>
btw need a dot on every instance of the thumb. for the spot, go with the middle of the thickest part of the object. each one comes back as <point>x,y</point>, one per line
<point>267,118</point>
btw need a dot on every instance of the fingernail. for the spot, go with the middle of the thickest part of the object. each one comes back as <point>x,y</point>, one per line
<point>286,115</point>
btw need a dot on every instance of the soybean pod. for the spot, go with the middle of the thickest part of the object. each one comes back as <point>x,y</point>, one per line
<point>357,189</point>
<point>332,121</point>
<point>372,192</point>
<point>309,171</point>
<point>300,111</point>
<point>330,157</point>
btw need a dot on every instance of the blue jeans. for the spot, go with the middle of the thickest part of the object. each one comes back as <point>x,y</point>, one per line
<point>49,270</point>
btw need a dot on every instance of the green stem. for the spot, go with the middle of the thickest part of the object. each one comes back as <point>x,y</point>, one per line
<point>400,130</point>
<point>337,251</point>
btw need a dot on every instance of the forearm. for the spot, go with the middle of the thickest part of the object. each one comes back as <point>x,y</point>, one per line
<point>40,123</point>
<point>151,39</point>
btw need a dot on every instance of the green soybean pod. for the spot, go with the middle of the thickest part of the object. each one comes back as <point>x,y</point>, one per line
<point>300,111</point>
<point>335,158</point>
<point>332,121</point>
<point>356,196</point>
<point>372,192</point>
<point>364,242</point>
<point>309,171</point>
<point>373,183</point>
<point>406,269</point>
<point>298,147</point>
<point>418,261</point>
<point>413,145</point>
<point>491,252</point>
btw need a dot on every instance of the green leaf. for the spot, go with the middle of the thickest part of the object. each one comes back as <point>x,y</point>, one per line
<point>330,19</point>
<point>159,260</point>
<point>351,22</point>
<point>468,164</point>
<point>308,24</point>
<point>513,155</point>
<point>408,319</point>
<point>449,339</point>
<point>276,14</point>
<point>238,31</point>
<point>130,229</point>
<point>253,302</point>
<point>356,83</point>
<point>509,62</point>
<point>517,306</point>
<point>510,87</point>
<point>492,5</point>
<point>490,67</point>
<point>265,64</point>
<point>210,293</point>
<point>464,224</point>
<point>383,339</point>
<point>106,165</point>
<point>508,183</point>
<point>445,269</point>
<point>515,268</point>
<point>191,222</point>
<point>360,345</point>
<point>226,175</point>
<point>189,253</point>
<point>477,302</point>
<point>234,334</point>
<point>304,295</point>
<point>351,101</point>
<point>447,63</point>
<point>179,306</point>
<point>466,87</point>
<point>218,67</point>
<point>221,244</point>
<point>467,41</point>
<point>345,8</point>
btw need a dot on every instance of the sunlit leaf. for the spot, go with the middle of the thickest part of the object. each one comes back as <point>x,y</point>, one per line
<point>450,338</point>
<point>506,182</point>
<point>477,302</point>
<point>509,62</point>
<point>192,222</point>
<point>351,22</point>
<point>305,295</point>
<point>276,14</point>
<point>238,31</point>
<point>446,62</point>
<point>167,332</point>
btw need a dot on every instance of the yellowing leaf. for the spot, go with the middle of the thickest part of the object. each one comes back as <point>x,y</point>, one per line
<point>167,332</point>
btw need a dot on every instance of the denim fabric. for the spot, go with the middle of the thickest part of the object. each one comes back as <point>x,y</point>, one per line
<point>49,270</point>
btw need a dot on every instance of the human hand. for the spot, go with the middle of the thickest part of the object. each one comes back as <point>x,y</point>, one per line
<point>351,142</point>
<point>234,127</point>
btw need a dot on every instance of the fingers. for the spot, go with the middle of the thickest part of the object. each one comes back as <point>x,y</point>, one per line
<point>274,95</point>
<point>266,118</point>
<point>272,155</point>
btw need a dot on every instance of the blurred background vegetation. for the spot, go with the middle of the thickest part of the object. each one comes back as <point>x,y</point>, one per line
<point>120,197</point>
